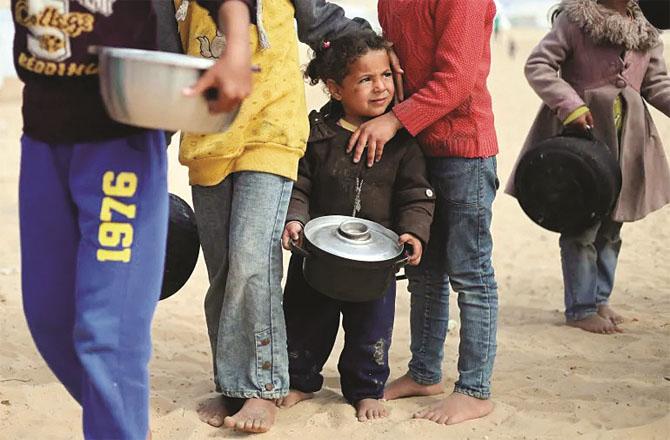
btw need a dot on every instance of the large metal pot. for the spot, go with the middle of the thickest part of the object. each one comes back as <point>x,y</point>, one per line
<point>568,183</point>
<point>182,247</point>
<point>145,88</point>
<point>349,258</point>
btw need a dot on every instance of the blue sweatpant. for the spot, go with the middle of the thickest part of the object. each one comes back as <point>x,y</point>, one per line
<point>312,323</point>
<point>93,220</point>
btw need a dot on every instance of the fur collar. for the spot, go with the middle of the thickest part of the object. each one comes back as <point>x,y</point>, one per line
<point>605,25</point>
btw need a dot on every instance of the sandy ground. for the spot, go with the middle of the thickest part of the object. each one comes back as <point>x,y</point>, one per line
<point>550,381</point>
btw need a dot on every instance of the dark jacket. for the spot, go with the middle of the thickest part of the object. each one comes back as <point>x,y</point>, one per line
<point>395,192</point>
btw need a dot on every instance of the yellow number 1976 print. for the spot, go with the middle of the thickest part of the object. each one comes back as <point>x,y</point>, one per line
<point>116,237</point>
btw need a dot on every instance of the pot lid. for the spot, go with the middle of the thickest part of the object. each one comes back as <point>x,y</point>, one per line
<point>353,238</point>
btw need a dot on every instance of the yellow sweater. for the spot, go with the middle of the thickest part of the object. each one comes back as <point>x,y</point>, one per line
<point>270,132</point>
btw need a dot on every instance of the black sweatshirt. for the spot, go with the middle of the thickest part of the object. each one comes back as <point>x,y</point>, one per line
<point>61,97</point>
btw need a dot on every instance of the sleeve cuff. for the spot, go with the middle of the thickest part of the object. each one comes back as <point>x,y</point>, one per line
<point>579,111</point>
<point>409,117</point>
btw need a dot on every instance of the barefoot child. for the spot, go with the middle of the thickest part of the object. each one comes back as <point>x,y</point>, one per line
<point>610,61</point>
<point>93,207</point>
<point>445,51</point>
<point>396,193</point>
<point>241,182</point>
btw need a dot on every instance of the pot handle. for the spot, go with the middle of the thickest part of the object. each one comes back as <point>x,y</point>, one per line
<point>296,249</point>
<point>402,262</point>
<point>588,134</point>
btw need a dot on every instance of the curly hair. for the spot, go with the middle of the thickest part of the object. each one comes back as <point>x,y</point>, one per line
<point>333,58</point>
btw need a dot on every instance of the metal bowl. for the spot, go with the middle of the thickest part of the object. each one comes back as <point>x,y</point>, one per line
<point>145,88</point>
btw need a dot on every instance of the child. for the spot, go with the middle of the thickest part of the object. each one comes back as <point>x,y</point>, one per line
<point>610,61</point>
<point>445,51</point>
<point>93,208</point>
<point>396,193</point>
<point>241,182</point>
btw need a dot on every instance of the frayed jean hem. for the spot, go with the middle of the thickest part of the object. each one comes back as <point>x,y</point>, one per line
<point>476,394</point>
<point>578,316</point>
<point>424,380</point>
<point>265,395</point>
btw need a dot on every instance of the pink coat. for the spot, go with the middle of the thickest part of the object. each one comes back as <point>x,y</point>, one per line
<point>596,64</point>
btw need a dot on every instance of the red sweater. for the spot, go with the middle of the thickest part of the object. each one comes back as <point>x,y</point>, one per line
<point>444,48</point>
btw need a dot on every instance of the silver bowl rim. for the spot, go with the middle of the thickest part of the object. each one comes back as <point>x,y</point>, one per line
<point>155,57</point>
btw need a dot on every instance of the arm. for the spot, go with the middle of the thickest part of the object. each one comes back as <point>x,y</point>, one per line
<point>214,8</point>
<point>298,208</point>
<point>414,198</point>
<point>459,25</point>
<point>656,84</point>
<point>543,66</point>
<point>231,75</point>
<point>297,215</point>
<point>319,20</point>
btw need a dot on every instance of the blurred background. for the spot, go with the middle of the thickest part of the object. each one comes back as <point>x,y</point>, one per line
<point>511,13</point>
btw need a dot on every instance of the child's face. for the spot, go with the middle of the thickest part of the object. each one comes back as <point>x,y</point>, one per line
<point>368,89</point>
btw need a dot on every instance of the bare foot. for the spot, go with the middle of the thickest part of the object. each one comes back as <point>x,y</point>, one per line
<point>405,386</point>
<point>456,408</point>
<point>256,415</point>
<point>370,409</point>
<point>607,312</point>
<point>596,324</point>
<point>213,411</point>
<point>293,397</point>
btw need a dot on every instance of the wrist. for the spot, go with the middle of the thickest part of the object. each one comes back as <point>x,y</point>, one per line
<point>237,50</point>
<point>393,118</point>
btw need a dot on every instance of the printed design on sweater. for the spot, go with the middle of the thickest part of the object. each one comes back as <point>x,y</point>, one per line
<point>213,48</point>
<point>51,26</point>
<point>103,7</point>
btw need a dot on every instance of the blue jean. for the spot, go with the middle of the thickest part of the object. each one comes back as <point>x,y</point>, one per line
<point>93,229</point>
<point>589,261</point>
<point>240,222</point>
<point>459,252</point>
<point>312,323</point>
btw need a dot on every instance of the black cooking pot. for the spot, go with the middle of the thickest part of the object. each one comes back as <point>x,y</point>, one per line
<point>182,248</point>
<point>350,259</point>
<point>657,12</point>
<point>568,183</point>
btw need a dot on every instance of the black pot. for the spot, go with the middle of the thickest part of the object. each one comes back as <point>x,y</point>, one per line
<point>348,279</point>
<point>182,248</point>
<point>657,12</point>
<point>568,183</point>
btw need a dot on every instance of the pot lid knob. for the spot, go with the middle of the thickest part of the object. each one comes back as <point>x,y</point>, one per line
<point>354,230</point>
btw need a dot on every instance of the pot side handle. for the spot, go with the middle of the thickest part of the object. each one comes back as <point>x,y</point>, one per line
<point>588,134</point>
<point>402,262</point>
<point>296,249</point>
